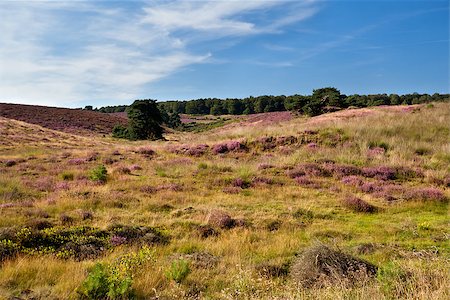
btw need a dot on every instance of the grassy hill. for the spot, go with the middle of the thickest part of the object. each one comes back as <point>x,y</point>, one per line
<point>347,205</point>
<point>62,119</point>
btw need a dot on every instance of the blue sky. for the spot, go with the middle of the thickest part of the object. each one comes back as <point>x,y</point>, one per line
<point>100,53</point>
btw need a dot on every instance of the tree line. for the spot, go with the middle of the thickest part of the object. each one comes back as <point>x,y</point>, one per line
<point>322,100</point>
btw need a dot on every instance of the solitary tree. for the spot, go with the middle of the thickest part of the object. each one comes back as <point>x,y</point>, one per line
<point>144,120</point>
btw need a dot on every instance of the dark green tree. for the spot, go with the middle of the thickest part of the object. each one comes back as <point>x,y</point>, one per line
<point>144,120</point>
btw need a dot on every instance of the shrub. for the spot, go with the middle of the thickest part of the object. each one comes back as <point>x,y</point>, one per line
<point>122,170</point>
<point>8,249</point>
<point>67,176</point>
<point>178,271</point>
<point>359,205</point>
<point>65,219</point>
<point>319,265</point>
<point>76,161</point>
<point>98,174</point>
<point>10,163</point>
<point>220,219</point>
<point>240,183</point>
<point>120,131</point>
<point>205,231</point>
<point>114,280</point>
<point>380,172</point>
<point>426,194</point>
<point>146,151</point>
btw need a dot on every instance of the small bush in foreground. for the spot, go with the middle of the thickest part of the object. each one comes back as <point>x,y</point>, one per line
<point>178,271</point>
<point>114,281</point>
<point>99,174</point>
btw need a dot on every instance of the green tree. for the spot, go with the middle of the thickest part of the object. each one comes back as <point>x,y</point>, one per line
<point>144,120</point>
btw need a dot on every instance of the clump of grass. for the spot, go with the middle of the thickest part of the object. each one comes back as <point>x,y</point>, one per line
<point>68,176</point>
<point>358,205</point>
<point>178,270</point>
<point>114,280</point>
<point>320,265</point>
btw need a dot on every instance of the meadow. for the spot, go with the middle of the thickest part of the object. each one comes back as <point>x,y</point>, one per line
<point>346,205</point>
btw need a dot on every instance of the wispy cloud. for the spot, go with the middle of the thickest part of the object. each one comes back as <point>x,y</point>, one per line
<point>64,53</point>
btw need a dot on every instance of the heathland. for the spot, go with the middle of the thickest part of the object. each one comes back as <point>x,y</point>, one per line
<point>346,205</point>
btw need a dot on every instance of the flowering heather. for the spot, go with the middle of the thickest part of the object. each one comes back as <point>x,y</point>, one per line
<point>227,147</point>
<point>220,148</point>
<point>428,193</point>
<point>352,180</point>
<point>311,169</point>
<point>146,151</point>
<point>116,152</point>
<point>232,190</point>
<point>42,184</point>
<point>342,170</point>
<point>380,172</point>
<point>135,168</point>
<point>122,170</point>
<point>261,181</point>
<point>170,187</point>
<point>10,163</point>
<point>148,189</point>
<point>62,186</point>
<point>312,146</point>
<point>76,161</point>
<point>376,151</point>
<point>306,181</point>
<point>116,240</point>
<point>264,166</point>
<point>108,161</point>
<point>240,183</point>
<point>265,143</point>
<point>197,150</point>
<point>359,205</point>
<point>372,187</point>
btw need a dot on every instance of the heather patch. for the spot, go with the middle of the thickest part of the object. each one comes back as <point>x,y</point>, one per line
<point>220,219</point>
<point>230,146</point>
<point>358,205</point>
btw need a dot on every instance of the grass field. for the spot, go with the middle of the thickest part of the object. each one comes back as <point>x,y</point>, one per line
<point>230,212</point>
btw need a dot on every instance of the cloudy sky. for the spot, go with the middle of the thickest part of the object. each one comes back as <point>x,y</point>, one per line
<point>78,53</point>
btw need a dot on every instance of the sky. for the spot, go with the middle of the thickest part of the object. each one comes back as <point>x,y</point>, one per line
<point>77,53</point>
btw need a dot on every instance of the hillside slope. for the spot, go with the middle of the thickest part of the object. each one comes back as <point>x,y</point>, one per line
<point>62,119</point>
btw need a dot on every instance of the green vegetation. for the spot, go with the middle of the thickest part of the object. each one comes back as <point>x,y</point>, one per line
<point>178,271</point>
<point>99,174</point>
<point>144,122</point>
<point>322,100</point>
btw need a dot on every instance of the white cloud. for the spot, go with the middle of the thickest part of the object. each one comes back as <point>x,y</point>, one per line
<point>61,53</point>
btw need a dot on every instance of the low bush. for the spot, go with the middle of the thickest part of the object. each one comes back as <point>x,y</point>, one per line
<point>358,205</point>
<point>114,280</point>
<point>99,174</point>
<point>178,270</point>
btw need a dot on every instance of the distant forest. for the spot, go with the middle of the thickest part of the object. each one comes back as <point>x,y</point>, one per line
<point>321,101</point>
